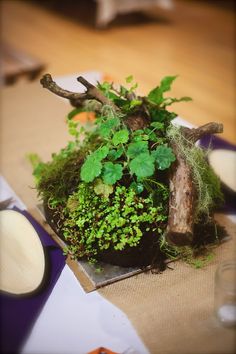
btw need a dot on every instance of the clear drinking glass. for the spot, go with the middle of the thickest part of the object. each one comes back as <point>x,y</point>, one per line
<point>225,293</point>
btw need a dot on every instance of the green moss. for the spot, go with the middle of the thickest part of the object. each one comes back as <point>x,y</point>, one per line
<point>93,224</point>
<point>57,179</point>
<point>209,194</point>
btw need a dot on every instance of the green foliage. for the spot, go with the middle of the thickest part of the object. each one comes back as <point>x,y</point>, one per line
<point>105,128</point>
<point>102,189</point>
<point>164,156</point>
<point>120,137</point>
<point>143,165</point>
<point>137,148</point>
<point>109,184</point>
<point>93,223</point>
<point>114,154</point>
<point>112,172</point>
<point>156,95</point>
<point>92,166</point>
<point>37,166</point>
<point>91,169</point>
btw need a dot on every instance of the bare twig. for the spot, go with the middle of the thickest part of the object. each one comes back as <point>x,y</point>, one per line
<point>91,93</point>
<point>194,135</point>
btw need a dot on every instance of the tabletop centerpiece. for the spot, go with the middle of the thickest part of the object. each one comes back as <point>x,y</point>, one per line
<point>133,189</point>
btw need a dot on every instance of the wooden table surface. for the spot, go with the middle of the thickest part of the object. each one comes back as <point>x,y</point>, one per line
<point>195,41</point>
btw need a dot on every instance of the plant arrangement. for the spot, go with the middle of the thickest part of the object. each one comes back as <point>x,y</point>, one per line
<point>132,188</point>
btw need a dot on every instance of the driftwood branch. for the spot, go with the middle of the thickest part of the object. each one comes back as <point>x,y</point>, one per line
<point>183,191</point>
<point>91,93</point>
<point>195,134</point>
<point>139,120</point>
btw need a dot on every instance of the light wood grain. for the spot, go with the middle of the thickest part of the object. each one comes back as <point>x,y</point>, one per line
<point>195,40</point>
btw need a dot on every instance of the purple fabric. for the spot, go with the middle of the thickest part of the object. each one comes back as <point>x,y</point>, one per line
<point>19,313</point>
<point>214,143</point>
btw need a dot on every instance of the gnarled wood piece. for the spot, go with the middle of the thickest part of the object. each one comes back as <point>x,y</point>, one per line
<point>139,120</point>
<point>183,191</point>
<point>91,93</point>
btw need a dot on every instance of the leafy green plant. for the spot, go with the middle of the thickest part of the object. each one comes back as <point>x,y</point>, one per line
<point>109,185</point>
<point>93,224</point>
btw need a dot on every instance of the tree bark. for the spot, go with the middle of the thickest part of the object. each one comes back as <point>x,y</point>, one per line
<point>183,192</point>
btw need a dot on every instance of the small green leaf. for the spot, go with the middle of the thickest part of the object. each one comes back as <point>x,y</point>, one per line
<point>137,187</point>
<point>142,165</point>
<point>103,189</point>
<point>166,83</point>
<point>123,91</point>
<point>105,128</point>
<point>104,86</point>
<point>157,125</point>
<point>91,169</point>
<point>137,148</point>
<point>115,154</point>
<point>164,156</point>
<point>100,153</point>
<point>135,103</point>
<point>169,101</point>
<point>129,79</point>
<point>156,95</point>
<point>111,172</point>
<point>120,137</point>
<point>162,115</point>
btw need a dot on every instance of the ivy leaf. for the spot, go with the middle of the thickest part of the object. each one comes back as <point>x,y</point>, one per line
<point>120,137</point>
<point>156,95</point>
<point>111,172</point>
<point>103,189</point>
<point>91,169</point>
<point>100,153</point>
<point>164,156</point>
<point>142,165</point>
<point>137,148</point>
<point>115,154</point>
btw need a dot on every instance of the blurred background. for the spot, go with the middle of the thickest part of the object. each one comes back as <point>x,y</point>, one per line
<point>146,38</point>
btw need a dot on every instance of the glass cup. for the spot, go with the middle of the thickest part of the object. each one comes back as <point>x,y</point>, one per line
<point>225,293</point>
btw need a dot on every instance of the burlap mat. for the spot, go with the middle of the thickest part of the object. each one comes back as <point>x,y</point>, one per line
<point>173,312</point>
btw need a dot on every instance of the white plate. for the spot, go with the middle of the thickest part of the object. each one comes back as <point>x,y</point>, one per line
<point>22,256</point>
<point>224,164</point>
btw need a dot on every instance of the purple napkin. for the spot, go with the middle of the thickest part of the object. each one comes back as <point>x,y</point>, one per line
<point>213,142</point>
<point>19,313</point>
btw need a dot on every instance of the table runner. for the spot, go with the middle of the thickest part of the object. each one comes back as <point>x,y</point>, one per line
<point>19,313</point>
<point>173,311</point>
